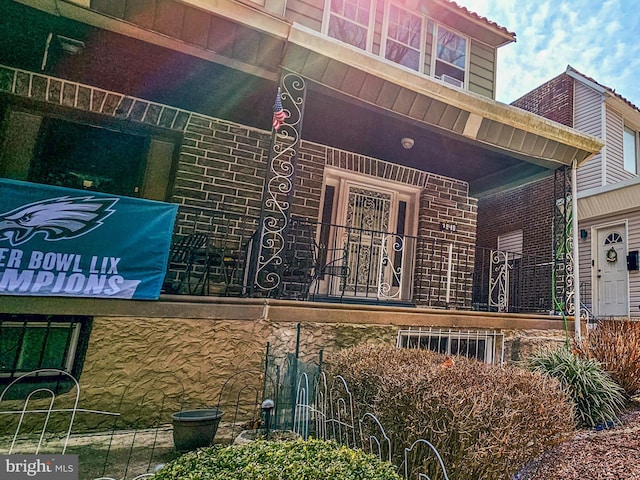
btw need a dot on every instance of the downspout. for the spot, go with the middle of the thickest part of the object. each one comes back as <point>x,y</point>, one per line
<point>575,253</point>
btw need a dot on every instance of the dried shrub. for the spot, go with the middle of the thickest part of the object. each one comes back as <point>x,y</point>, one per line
<point>597,398</point>
<point>486,421</point>
<point>616,345</point>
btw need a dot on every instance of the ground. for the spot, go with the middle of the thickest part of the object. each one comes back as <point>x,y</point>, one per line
<point>612,454</point>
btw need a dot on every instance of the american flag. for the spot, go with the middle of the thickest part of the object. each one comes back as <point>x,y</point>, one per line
<point>279,115</point>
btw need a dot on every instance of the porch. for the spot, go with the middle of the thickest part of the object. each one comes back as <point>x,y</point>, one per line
<point>217,254</point>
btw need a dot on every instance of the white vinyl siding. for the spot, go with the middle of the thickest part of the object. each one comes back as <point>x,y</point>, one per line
<point>587,118</point>
<point>615,171</point>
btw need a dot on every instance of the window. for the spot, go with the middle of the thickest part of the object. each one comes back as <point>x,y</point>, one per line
<point>87,152</point>
<point>86,157</point>
<point>511,242</point>
<point>612,238</point>
<point>487,347</point>
<point>404,38</point>
<point>630,150</point>
<point>349,21</point>
<point>450,56</point>
<point>32,342</point>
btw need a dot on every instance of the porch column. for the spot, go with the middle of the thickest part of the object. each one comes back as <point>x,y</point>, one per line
<point>575,253</point>
<point>266,256</point>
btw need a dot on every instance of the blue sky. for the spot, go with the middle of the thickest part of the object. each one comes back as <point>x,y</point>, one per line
<point>599,38</point>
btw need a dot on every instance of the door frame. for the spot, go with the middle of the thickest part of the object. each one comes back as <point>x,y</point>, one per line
<point>595,252</point>
<point>341,179</point>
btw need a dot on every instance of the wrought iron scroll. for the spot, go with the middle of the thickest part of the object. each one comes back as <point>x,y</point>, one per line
<point>390,274</point>
<point>563,261</point>
<point>278,188</point>
<point>499,280</point>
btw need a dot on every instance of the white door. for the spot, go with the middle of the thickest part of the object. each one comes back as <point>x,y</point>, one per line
<point>611,275</point>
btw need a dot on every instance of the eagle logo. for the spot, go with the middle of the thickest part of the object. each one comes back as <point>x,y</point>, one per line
<point>55,218</point>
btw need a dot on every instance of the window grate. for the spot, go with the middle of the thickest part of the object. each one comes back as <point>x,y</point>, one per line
<point>486,346</point>
<point>33,342</point>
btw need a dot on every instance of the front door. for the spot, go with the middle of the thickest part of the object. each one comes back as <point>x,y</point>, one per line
<point>611,276</point>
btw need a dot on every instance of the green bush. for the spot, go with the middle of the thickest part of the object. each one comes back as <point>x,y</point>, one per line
<point>616,345</point>
<point>597,398</point>
<point>291,460</point>
<point>487,422</point>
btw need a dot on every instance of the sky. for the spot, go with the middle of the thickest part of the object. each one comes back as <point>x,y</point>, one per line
<point>599,38</point>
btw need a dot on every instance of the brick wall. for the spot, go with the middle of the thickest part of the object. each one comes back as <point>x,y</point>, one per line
<point>445,203</point>
<point>528,208</point>
<point>219,185</point>
<point>552,100</point>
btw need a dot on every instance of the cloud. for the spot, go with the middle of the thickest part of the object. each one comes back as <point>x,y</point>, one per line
<point>598,39</point>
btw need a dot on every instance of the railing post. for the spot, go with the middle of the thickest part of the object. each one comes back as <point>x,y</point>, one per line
<point>266,259</point>
<point>449,267</point>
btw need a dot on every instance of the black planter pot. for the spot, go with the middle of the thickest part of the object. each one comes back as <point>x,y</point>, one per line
<point>195,428</point>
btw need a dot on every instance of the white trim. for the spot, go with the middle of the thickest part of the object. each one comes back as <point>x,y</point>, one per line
<point>603,152</point>
<point>326,16</point>
<point>385,35</point>
<point>589,83</point>
<point>434,53</point>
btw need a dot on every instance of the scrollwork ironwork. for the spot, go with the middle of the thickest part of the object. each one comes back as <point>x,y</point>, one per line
<point>278,190</point>
<point>499,280</point>
<point>389,274</point>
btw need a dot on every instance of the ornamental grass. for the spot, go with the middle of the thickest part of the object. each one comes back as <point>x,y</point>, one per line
<point>616,345</point>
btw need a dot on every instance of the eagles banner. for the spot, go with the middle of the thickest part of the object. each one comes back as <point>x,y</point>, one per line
<point>62,242</point>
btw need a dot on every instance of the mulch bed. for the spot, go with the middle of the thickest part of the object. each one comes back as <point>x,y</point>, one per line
<point>612,454</point>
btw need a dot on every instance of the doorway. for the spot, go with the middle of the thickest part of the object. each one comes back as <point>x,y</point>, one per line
<point>369,247</point>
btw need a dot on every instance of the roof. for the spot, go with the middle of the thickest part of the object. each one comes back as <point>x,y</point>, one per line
<point>485,20</point>
<point>570,69</point>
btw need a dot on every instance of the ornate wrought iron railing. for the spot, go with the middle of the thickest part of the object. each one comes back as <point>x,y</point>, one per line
<point>213,250</point>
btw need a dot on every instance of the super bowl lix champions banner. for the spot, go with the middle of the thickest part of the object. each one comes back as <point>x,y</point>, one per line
<point>62,242</point>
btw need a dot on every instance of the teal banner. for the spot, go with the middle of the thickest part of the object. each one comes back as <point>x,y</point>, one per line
<point>62,242</point>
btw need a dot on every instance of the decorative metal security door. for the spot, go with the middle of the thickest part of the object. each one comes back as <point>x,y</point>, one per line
<point>368,216</point>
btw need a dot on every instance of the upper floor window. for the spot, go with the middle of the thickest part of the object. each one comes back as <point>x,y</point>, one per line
<point>349,21</point>
<point>404,38</point>
<point>450,56</point>
<point>630,150</point>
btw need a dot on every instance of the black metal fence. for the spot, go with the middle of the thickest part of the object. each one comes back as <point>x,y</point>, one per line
<point>218,253</point>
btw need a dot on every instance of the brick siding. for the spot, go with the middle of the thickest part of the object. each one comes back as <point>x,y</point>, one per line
<point>552,100</point>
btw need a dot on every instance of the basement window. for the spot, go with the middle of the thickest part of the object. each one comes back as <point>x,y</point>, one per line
<point>35,342</point>
<point>486,346</point>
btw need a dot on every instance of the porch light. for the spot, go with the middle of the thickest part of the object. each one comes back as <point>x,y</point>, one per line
<point>407,143</point>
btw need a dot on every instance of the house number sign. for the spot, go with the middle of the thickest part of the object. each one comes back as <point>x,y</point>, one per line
<point>448,227</point>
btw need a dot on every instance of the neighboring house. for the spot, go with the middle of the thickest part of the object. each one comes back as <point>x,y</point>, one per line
<point>608,191</point>
<point>366,195</point>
